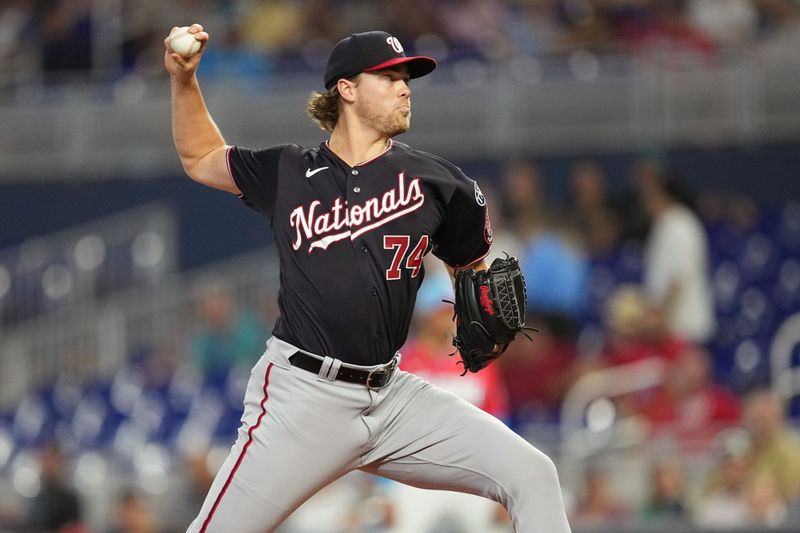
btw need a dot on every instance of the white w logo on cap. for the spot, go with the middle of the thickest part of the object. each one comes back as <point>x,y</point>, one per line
<point>395,44</point>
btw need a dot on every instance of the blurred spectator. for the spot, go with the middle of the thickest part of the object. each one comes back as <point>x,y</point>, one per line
<point>230,59</point>
<point>554,265</point>
<point>133,515</point>
<point>57,505</point>
<point>635,330</point>
<point>689,405</point>
<point>728,22</point>
<point>634,219</point>
<point>758,476</point>
<point>355,503</point>
<point>722,502</point>
<point>672,38</point>
<point>736,211</point>
<point>556,272</point>
<point>426,354</point>
<point>598,505</point>
<point>473,24</point>
<point>534,27</point>
<point>587,26</point>
<point>408,19</point>
<point>200,475</point>
<point>523,200</point>
<point>78,36</point>
<point>147,23</point>
<point>667,493</point>
<point>676,267</point>
<point>228,336</point>
<point>273,26</point>
<point>776,448</point>
<point>765,504</point>
<point>319,22</point>
<point>775,15</point>
<point>66,30</point>
<point>371,510</point>
<point>590,209</point>
<point>537,375</point>
<point>588,188</point>
<point>16,18</point>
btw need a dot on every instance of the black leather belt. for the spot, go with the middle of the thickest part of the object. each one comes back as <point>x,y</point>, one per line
<point>374,379</point>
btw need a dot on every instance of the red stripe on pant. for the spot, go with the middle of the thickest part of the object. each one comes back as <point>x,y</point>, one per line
<point>244,451</point>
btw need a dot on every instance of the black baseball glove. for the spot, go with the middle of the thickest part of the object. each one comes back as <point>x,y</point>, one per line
<point>489,312</point>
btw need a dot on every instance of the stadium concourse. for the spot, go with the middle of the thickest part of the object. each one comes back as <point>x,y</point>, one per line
<point>637,156</point>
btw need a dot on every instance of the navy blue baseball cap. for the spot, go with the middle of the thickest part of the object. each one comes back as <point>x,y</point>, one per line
<point>368,51</point>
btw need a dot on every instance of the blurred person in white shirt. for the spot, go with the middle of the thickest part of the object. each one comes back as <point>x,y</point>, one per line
<point>676,260</point>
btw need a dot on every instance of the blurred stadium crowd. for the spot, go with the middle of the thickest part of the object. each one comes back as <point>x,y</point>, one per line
<point>652,381</point>
<point>697,284</point>
<point>69,39</point>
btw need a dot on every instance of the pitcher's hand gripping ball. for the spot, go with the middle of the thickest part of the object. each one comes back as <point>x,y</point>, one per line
<point>182,42</point>
<point>490,311</point>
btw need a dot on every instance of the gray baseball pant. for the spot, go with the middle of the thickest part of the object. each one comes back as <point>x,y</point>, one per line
<point>301,431</point>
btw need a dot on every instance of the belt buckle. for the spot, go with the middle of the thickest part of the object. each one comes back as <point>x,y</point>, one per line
<point>381,371</point>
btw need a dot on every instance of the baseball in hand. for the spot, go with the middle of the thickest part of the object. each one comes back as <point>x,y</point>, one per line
<point>183,42</point>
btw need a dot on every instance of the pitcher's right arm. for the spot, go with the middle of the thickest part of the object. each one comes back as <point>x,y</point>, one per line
<point>197,138</point>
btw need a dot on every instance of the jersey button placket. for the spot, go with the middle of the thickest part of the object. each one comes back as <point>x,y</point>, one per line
<point>364,250</point>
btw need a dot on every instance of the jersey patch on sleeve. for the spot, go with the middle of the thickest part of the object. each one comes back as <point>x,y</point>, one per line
<point>479,197</point>
<point>487,229</point>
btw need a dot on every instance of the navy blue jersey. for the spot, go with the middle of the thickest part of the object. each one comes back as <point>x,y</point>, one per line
<point>351,239</point>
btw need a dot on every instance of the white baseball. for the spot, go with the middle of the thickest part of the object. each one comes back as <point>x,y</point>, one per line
<point>183,42</point>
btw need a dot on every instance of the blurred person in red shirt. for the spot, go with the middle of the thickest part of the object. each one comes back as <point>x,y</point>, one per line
<point>537,374</point>
<point>689,404</point>
<point>636,330</point>
<point>668,34</point>
<point>426,353</point>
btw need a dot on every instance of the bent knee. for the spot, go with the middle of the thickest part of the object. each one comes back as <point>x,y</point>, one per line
<point>536,468</point>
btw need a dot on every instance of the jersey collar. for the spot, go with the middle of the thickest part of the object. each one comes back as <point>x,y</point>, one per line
<point>362,163</point>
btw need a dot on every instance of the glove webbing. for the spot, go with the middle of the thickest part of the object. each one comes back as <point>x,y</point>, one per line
<point>507,301</point>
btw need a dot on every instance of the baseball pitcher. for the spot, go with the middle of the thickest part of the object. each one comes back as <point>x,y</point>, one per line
<point>352,220</point>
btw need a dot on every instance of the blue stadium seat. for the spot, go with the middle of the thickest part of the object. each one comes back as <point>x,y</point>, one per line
<point>786,290</point>
<point>787,229</point>
<point>726,282</point>
<point>759,259</point>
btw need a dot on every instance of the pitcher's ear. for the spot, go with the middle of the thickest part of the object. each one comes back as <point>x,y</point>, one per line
<point>346,88</point>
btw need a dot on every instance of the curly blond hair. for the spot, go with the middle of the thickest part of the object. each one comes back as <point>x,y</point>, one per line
<point>323,108</point>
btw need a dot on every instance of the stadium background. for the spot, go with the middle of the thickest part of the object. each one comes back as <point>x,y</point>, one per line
<point>132,301</point>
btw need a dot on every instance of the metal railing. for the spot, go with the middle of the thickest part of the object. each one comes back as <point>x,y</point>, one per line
<point>590,423</point>
<point>94,338</point>
<point>785,373</point>
<point>55,316</point>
